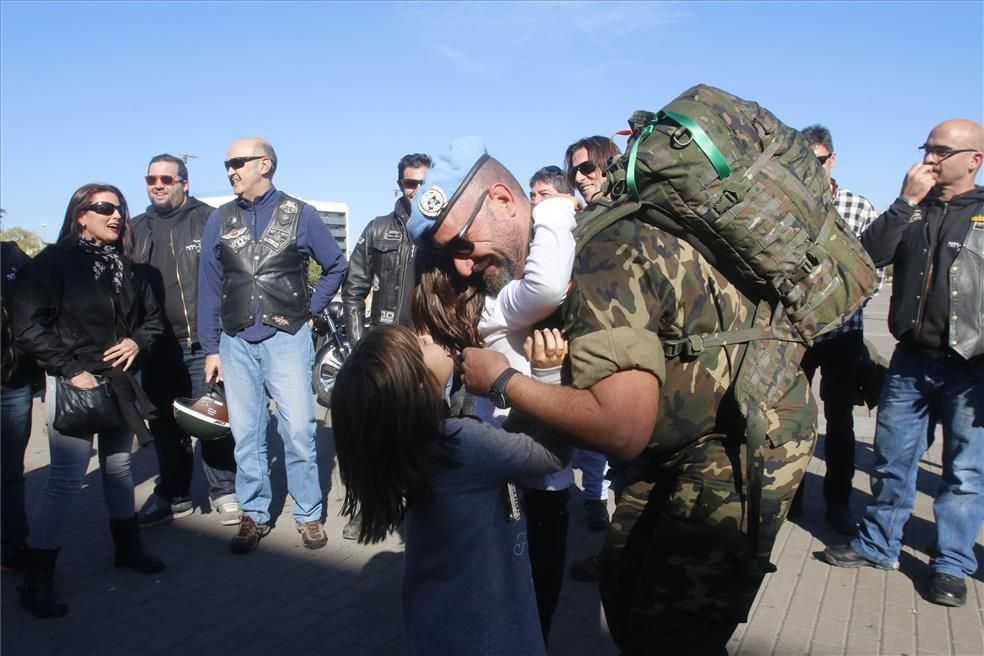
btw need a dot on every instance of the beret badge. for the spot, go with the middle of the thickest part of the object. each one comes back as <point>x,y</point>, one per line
<point>433,202</point>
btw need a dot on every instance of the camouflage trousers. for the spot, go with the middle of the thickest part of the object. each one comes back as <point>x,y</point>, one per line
<point>678,572</point>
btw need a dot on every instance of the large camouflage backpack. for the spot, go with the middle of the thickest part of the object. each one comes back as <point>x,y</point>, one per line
<point>749,194</point>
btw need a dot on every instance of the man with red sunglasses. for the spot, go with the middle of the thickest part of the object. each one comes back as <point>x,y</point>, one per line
<point>382,263</point>
<point>168,239</point>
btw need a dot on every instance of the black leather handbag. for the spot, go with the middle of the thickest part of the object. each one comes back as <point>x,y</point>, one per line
<point>82,412</point>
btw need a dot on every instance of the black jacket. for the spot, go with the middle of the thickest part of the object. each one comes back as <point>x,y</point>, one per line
<point>383,261</point>
<point>66,320</point>
<point>18,368</point>
<point>922,244</point>
<point>184,247</point>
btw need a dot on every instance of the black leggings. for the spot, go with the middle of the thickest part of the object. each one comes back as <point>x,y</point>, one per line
<point>547,518</point>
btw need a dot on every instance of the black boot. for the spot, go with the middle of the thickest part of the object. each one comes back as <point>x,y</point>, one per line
<point>129,550</point>
<point>38,593</point>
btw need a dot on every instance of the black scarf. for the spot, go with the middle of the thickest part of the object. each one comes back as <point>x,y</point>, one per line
<point>107,265</point>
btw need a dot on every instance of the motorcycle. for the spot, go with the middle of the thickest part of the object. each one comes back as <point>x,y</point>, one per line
<point>332,346</point>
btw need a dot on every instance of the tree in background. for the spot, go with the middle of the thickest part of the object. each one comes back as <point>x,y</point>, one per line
<point>29,242</point>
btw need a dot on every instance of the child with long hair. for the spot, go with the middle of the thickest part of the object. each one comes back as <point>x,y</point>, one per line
<point>466,573</point>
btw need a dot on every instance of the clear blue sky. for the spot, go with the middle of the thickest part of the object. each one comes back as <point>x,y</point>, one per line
<point>90,91</point>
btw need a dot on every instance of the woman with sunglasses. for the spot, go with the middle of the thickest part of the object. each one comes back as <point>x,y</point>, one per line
<point>586,161</point>
<point>81,311</point>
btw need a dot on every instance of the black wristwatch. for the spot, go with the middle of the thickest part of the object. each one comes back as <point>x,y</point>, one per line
<point>498,390</point>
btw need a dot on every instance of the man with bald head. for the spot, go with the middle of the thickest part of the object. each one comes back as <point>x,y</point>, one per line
<point>933,234</point>
<point>253,310</point>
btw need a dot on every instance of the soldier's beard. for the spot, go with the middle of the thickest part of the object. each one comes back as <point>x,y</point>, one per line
<point>505,272</point>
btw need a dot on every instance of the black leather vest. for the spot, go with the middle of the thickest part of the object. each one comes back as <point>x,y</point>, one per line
<point>270,272</point>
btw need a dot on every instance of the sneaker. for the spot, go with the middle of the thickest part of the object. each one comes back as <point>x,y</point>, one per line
<point>597,515</point>
<point>228,510</point>
<point>313,534</point>
<point>248,536</point>
<point>156,511</point>
<point>585,570</point>
<point>181,507</point>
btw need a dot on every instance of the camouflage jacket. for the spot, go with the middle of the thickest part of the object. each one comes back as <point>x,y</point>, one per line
<point>634,286</point>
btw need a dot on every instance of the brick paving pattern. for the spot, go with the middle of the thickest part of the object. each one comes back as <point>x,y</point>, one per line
<point>345,598</point>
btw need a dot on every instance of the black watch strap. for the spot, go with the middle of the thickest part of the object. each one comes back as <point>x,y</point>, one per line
<point>497,392</point>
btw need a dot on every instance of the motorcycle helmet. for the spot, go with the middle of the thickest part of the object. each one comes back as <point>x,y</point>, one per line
<point>205,417</point>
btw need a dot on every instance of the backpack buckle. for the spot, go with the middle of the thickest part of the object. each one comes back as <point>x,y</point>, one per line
<point>693,346</point>
<point>688,347</point>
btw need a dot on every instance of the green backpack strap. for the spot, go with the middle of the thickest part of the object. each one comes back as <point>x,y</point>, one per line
<point>697,134</point>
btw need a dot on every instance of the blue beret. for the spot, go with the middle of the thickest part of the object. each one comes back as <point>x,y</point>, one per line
<point>448,176</point>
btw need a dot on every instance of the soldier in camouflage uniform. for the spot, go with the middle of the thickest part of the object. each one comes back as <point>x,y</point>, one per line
<point>682,563</point>
<point>679,567</point>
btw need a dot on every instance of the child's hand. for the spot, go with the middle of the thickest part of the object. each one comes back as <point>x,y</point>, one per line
<point>546,349</point>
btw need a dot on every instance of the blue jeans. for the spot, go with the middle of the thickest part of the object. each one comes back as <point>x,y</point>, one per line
<point>15,415</point>
<point>69,460</point>
<point>280,366</point>
<point>174,371</point>
<point>593,466</point>
<point>919,389</point>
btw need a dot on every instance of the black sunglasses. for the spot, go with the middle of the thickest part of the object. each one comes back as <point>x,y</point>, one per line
<point>103,207</point>
<point>823,158</point>
<point>412,184</point>
<point>166,180</point>
<point>944,152</point>
<point>237,163</point>
<point>459,245</point>
<point>584,168</point>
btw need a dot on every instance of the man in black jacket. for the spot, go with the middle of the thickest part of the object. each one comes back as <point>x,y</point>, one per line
<point>933,234</point>
<point>382,262</point>
<point>167,238</point>
<point>21,378</point>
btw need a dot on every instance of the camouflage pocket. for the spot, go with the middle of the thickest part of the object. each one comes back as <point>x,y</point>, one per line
<point>702,501</point>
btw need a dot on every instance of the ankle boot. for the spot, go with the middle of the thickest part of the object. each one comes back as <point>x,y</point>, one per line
<point>129,550</point>
<point>38,593</point>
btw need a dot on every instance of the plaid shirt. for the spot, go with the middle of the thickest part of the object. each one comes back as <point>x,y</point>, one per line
<point>858,213</point>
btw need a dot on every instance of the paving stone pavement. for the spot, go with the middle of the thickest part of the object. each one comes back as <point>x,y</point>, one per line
<point>345,598</point>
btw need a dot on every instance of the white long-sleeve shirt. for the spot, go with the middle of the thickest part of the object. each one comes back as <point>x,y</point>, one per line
<point>508,316</point>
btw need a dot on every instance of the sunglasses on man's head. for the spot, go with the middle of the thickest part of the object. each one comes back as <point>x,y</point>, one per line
<point>166,180</point>
<point>459,245</point>
<point>237,163</point>
<point>412,184</point>
<point>823,158</point>
<point>103,207</point>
